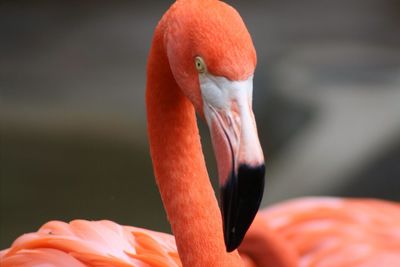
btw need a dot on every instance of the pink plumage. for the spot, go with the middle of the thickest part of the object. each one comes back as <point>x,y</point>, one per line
<point>91,243</point>
<point>322,232</point>
<point>339,232</point>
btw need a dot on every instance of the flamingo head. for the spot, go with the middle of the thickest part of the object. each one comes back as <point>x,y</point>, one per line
<point>212,58</point>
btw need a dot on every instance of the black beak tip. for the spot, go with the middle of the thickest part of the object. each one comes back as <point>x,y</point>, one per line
<point>232,241</point>
<point>240,200</point>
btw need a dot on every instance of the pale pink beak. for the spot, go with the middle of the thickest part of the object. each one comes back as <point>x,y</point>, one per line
<point>238,153</point>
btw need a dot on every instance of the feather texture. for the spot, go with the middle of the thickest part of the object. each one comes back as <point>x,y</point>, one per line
<point>91,243</point>
<point>339,232</point>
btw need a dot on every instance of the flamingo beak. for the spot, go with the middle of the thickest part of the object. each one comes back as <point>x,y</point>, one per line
<point>228,110</point>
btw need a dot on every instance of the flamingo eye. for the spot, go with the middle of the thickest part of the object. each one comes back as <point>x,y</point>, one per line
<point>200,65</point>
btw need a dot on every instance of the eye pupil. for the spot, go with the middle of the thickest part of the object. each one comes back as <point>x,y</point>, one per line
<point>200,65</point>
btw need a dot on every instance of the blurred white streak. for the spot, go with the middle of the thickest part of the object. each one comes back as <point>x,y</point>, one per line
<point>358,117</point>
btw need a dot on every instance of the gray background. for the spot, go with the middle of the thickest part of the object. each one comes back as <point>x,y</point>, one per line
<point>72,79</point>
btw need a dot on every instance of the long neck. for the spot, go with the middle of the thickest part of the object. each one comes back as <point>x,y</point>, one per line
<point>180,169</point>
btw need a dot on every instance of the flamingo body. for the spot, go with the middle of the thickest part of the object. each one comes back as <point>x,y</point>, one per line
<point>317,232</point>
<point>83,243</point>
<point>332,232</point>
<point>339,232</point>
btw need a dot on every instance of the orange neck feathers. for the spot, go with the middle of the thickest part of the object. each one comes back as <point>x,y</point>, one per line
<point>179,167</point>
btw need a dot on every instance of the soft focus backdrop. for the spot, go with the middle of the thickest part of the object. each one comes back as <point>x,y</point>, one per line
<point>73,133</point>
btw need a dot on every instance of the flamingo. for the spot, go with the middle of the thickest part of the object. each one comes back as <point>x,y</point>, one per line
<point>326,231</point>
<point>202,60</point>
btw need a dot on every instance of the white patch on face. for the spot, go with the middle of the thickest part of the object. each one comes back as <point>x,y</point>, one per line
<point>230,104</point>
<point>219,92</point>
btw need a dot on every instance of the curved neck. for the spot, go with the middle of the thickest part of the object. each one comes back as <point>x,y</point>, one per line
<point>180,169</point>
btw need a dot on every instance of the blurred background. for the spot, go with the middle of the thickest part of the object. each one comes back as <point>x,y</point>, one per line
<point>73,124</point>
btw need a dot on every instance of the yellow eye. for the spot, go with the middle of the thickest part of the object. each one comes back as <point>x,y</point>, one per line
<point>200,65</point>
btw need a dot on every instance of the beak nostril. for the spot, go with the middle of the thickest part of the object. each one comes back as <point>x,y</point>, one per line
<point>235,107</point>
